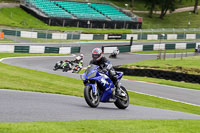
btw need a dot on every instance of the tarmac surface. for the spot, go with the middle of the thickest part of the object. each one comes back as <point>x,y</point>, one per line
<point>18,106</point>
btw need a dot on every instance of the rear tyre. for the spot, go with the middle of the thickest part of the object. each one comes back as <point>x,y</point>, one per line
<point>66,68</point>
<point>122,102</point>
<point>91,99</point>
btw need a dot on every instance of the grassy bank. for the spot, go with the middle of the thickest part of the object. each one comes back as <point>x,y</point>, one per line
<point>176,20</point>
<point>186,65</point>
<point>30,80</point>
<point>16,17</point>
<point>6,40</point>
<point>24,79</point>
<point>140,4</point>
<point>105,126</point>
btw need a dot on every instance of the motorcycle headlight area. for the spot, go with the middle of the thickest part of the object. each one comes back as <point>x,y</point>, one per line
<point>92,75</point>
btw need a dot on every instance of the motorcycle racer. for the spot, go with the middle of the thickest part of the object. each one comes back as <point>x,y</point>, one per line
<point>105,65</point>
<point>78,61</point>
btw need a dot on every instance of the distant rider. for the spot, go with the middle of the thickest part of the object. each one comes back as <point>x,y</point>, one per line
<point>79,60</point>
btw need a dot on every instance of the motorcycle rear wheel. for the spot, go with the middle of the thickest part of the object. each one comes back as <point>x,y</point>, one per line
<point>123,102</point>
<point>91,99</point>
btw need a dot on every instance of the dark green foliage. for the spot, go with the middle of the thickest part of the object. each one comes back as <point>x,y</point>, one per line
<point>196,6</point>
<point>151,5</point>
<point>163,5</point>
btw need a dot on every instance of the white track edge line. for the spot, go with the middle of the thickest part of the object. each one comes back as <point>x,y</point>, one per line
<point>165,98</point>
<point>73,55</point>
<point>187,89</point>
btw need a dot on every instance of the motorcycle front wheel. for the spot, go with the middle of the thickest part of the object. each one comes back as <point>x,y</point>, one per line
<point>56,67</point>
<point>122,102</point>
<point>91,99</point>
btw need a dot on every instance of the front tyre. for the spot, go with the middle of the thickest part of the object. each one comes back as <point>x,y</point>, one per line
<point>122,102</point>
<point>91,98</point>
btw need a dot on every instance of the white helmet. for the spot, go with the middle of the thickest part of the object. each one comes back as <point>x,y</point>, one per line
<point>82,55</point>
<point>78,58</point>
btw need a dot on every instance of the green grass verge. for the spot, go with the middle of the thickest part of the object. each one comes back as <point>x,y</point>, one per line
<point>16,17</point>
<point>6,40</point>
<point>189,65</point>
<point>167,51</point>
<point>105,126</point>
<point>31,80</point>
<point>176,20</point>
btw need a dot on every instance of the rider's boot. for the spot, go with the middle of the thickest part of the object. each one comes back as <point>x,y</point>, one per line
<point>113,98</point>
<point>118,90</point>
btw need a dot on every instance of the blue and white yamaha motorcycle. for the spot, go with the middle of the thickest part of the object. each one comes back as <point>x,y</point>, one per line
<point>98,88</point>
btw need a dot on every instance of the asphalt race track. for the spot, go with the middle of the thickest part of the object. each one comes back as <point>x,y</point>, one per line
<point>18,106</point>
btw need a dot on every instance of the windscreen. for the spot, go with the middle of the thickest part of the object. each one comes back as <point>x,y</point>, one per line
<point>90,68</point>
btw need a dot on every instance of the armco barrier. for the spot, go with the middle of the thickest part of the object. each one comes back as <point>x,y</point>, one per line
<point>168,75</point>
<point>122,48</point>
<point>51,50</point>
<point>136,48</point>
<point>75,49</point>
<point>21,49</point>
<point>78,36</point>
<point>73,37</point>
<point>7,48</point>
<point>44,35</point>
<point>170,46</point>
<point>190,45</point>
<point>12,32</point>
<point>38,49</point>
<point>147,47</point>
<point>162,46</point>
<point>98,37</point>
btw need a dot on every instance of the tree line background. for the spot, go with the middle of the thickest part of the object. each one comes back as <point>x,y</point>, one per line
<point>164,6</point>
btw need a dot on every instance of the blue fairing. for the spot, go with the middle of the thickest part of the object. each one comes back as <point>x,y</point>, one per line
<point>103,82</point>
<point>93,87</point>
<point>120,74</point>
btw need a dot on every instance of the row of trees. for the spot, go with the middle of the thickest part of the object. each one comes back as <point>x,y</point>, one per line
<point>164,6</point>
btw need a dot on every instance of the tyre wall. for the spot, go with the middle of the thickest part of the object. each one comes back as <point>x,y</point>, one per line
<point>38,49</point>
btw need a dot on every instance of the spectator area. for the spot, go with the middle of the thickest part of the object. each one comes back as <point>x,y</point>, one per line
<point>111,12</point>
<point>50,9</point>
<point>79,10</point>
<point>81,14</point>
